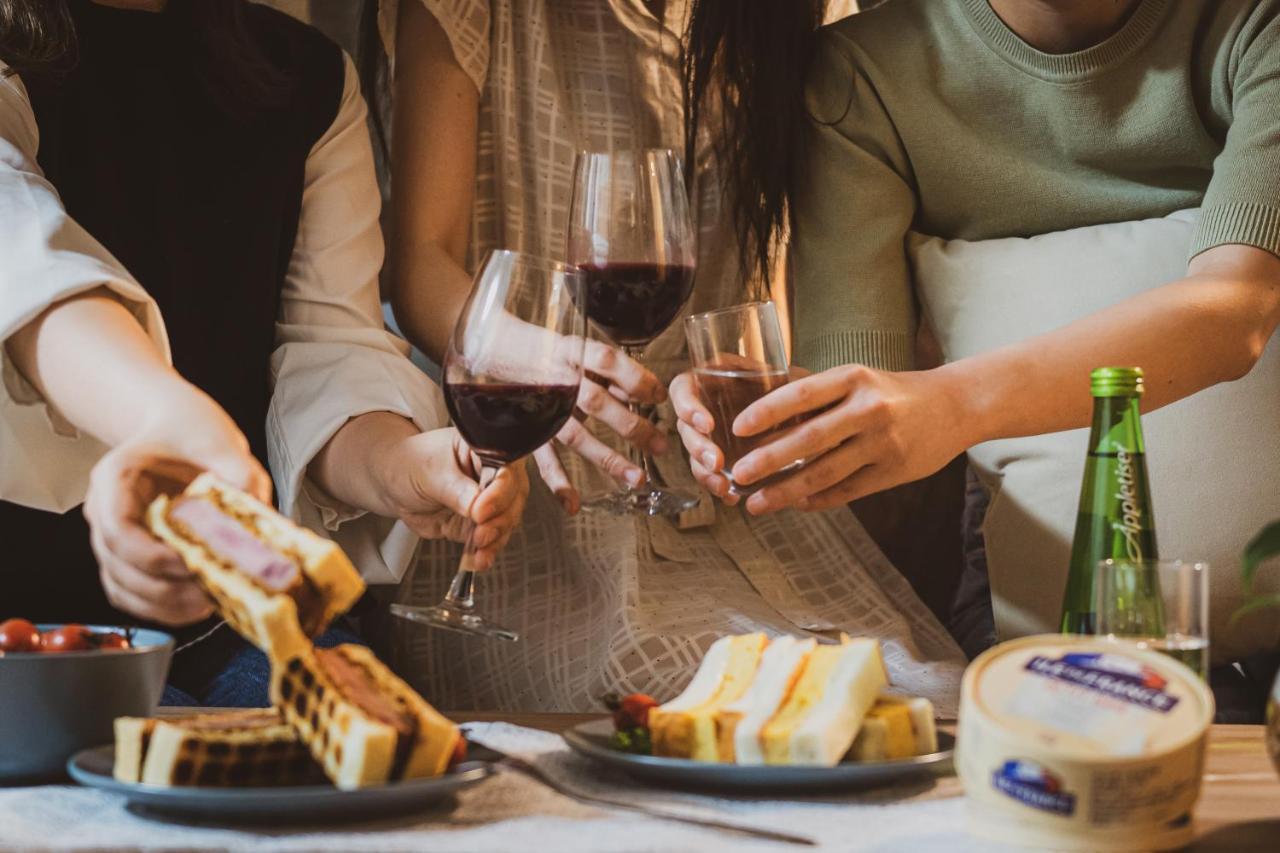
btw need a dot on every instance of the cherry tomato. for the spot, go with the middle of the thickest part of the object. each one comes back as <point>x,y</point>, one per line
<point>19,635</point>
<point>459,753</point>
<point>110,640</point>
<point>68,638</point>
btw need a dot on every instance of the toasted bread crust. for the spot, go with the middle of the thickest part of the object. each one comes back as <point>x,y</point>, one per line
<point>356,750</point>
<point>132,736</point>
<point>269,620</point>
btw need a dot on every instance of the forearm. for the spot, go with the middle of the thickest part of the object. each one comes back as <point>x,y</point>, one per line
<point>352,465</point>
<point>91,360</point>
<point>433,173</point>
<point>429,289</point>
<point>1186,336</point>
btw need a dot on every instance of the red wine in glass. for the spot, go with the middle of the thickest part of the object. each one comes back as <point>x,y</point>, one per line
<point>511,378</point>
<point>633,303</point>
<point>727,390</point>
<point>738,356</point>
<point>504,421</point>
<point>631,234</point>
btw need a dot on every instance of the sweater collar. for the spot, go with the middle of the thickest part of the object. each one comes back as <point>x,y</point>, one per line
<point>1066,67</point>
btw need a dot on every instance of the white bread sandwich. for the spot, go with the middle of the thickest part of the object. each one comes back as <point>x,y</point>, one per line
<point>361,723</point>
<point>738,725</point>
<point>820,718</point>
<point>685,727</point>
<point>250,748</point>
<point>276,583</point>
<point>896,727</point>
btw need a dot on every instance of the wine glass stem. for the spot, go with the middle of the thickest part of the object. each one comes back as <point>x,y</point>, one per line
<point>461,593</point>
<point>639,457</point>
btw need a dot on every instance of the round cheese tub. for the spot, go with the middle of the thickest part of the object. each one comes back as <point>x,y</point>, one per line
<point>1081,743</point>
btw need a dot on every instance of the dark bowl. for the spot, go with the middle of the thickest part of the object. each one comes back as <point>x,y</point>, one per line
<point>54,704</point>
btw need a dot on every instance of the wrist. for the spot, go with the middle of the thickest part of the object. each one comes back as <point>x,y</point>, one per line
<point>185,416</point>
<point>380,444</point>
<point>966,394</point>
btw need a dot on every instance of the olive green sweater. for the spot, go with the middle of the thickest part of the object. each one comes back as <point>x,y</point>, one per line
<point>935,117</point>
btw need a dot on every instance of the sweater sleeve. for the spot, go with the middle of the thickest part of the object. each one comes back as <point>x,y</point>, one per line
<point>46,257</point>
<point>1242,203</point>
<point>852,211</point>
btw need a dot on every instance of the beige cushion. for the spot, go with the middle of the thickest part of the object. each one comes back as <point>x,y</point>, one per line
<point>1214,458</point>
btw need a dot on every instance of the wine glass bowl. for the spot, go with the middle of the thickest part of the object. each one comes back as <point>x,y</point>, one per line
<point>511,378</point>
<point>631,234</point>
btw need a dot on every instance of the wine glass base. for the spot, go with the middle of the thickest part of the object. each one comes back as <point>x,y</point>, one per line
<point>662,502</point>
<point>455,619</point>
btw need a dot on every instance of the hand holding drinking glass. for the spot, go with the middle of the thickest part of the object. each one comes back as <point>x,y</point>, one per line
<point>511,378</point>
<point>738,356</point>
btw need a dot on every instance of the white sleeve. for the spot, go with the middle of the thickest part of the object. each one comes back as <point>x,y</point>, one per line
<point>45,256</point>
<point>334,359</point>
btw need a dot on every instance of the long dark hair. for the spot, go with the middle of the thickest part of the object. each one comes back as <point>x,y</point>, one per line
<point>745,65</point>
<point>37,37</point>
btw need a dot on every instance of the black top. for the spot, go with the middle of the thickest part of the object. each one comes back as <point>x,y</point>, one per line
<point>199,205</point>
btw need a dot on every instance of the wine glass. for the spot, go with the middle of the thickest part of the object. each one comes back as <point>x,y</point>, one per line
<point>631,234</point>
<point>511,379</point>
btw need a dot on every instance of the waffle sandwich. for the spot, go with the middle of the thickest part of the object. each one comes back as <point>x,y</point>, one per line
<point>361,723</point>
<point>276,583</point>
<point>233,749</point>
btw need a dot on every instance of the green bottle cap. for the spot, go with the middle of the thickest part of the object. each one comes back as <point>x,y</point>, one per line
<point>1116,382</point>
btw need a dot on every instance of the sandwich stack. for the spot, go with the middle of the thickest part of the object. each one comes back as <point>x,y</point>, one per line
<point>791,702</point>
<point>337,710</point>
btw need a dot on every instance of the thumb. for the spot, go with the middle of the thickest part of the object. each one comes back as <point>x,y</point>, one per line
<point>244,472</point>
<point>455,490</point>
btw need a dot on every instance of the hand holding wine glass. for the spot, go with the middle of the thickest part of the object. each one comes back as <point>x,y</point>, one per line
<point>511,378</point>
<point>631,233</point>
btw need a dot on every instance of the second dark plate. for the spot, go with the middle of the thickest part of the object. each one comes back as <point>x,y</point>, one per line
<point>592,740</point>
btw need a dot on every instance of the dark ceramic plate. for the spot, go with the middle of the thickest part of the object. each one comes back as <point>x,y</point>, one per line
<point>592,740</point>
<point>303,804</point>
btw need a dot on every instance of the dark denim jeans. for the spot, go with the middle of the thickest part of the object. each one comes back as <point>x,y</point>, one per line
<point>225,671</point>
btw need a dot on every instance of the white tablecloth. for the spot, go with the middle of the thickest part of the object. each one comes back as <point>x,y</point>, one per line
<point>511,812</point>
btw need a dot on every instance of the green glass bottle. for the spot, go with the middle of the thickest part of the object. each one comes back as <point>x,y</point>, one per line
<point>1115,520</point>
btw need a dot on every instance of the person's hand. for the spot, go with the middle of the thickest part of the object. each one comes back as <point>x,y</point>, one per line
<point>432,480</point>
<point>695,424</point>
<point>611,378</point>
<point>862,431</point>
<point>141,575</point>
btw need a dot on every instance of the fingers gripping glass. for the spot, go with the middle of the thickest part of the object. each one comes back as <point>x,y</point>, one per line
<point>631,234</point>
<point>738,356</point>
<point>511,378</point>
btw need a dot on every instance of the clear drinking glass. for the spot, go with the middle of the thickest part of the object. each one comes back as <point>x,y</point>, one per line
<point>631,234</point>
<point>1162,605</point>
<point>738,355</point>
<point>511,379</point>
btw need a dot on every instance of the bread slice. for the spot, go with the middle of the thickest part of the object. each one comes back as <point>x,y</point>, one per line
<point>355,748</point>
<point>896,727</point>
<point>738,725</point>
<point>251,748</point>
<point>271,620</point>
<point>820,718</point>
<point>133,735</point>
<point>685,727</point>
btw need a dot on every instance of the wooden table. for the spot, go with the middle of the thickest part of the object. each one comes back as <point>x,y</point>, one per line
<point>1239,805</point>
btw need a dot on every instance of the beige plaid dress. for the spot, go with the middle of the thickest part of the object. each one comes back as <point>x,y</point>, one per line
<point>628,604</point>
